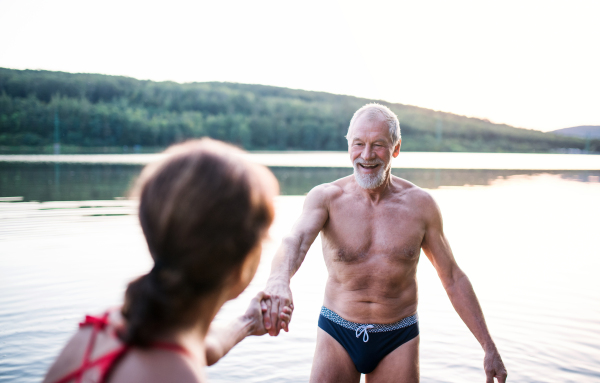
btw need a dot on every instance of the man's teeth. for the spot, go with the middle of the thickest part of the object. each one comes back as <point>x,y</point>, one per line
<point>368,166</point>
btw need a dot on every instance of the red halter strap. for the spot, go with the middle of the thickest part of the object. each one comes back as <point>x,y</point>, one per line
<point>107,361</point>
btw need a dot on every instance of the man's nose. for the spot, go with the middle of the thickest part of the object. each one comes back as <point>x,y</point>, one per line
<point>368,153</point>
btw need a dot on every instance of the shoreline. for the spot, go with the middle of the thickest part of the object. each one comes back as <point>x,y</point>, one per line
<point>405,160</point>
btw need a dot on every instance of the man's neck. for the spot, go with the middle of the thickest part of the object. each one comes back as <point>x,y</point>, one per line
<point>381,192</point>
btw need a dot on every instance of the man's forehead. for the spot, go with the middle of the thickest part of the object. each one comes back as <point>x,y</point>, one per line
<point>366,127</point>
<point>370,116</point>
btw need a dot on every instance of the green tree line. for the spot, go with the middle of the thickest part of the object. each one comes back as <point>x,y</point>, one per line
<point>98,110</point>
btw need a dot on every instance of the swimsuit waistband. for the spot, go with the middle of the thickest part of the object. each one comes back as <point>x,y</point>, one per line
<point>405,322</point>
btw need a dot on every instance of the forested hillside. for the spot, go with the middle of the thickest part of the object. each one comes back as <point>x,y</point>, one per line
<point>90,110</point>
<point>580,131</point>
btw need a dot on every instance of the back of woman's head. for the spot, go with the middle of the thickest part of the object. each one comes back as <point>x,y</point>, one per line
<point>203,209</point>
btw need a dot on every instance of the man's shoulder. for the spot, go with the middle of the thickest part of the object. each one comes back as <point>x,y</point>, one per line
<point>416,195</point>
<point>328,191</point>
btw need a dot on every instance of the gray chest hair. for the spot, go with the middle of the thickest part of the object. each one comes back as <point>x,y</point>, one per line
<point>410,252</point>
<point>353,256</point>
<point>347,256</point>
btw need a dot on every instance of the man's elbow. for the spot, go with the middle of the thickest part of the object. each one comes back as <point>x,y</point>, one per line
<point>291,242</point>
<point>454,279</point>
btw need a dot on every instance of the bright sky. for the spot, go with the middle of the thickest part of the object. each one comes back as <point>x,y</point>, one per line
<point>530,64</point>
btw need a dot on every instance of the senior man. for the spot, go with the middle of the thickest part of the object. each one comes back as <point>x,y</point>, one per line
<point>373,226</point>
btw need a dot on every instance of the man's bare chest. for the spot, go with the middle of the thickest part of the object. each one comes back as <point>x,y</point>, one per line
<point>357,233</point>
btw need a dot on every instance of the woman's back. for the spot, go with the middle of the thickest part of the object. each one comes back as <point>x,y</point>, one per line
<point>96,354</point>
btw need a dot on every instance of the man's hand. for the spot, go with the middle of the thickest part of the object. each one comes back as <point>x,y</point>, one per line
<point>279,307</point>
<point>494,367</point>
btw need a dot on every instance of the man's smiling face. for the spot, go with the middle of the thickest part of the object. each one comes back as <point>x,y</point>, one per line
<point>371,151</point>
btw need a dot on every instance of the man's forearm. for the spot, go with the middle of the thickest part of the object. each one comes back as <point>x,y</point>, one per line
<point>465,302</point>
<point>467,306</point>
<point>287,260</point>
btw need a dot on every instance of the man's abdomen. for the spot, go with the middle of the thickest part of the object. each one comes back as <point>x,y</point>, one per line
<point>371,291</point>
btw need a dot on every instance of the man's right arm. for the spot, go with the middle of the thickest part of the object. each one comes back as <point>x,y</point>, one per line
<point>290,256</point>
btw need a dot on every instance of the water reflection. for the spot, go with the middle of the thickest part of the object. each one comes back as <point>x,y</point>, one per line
<point>66,182</point>
<point>82,182</point>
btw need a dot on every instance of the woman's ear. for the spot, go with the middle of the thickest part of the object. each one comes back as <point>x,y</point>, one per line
<point>241,277</point>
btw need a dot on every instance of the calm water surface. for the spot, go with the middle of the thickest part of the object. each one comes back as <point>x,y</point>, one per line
<point>84,181</point>
<point>527,240</point>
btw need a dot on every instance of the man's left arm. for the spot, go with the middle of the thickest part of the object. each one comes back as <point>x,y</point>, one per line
<point>459,290</point>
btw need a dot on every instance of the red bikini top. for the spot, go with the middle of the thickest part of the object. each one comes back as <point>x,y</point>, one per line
<point>106,362</point>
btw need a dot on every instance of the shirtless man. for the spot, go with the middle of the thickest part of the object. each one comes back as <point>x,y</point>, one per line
<point>373,226</point>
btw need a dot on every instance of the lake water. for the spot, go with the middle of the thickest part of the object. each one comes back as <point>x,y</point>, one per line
<point>527,239</point>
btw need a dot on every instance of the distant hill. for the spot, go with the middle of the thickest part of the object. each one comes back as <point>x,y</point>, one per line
<point>587,131</point>
<point>99,112</point>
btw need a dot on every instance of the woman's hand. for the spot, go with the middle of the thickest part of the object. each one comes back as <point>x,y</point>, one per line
<point>256,310</point>
<point>221,339</point>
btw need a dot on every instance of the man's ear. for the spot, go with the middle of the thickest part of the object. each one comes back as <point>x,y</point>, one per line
<point>397,149</point>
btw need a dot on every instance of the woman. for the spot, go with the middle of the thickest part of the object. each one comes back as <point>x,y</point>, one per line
<point>204,211</point>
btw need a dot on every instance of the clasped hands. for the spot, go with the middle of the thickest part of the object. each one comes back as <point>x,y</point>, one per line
<point>271,310</point>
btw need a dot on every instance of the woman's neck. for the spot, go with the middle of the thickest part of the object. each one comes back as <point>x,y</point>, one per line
<point>192,337</point>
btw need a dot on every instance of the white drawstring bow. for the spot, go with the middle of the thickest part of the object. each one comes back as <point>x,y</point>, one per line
<point>363,330</point>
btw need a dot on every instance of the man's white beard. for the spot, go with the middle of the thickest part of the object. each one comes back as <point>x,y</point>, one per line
<point>370,181</point>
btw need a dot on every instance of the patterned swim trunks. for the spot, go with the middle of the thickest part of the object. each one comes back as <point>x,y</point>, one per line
<point>367,344</point>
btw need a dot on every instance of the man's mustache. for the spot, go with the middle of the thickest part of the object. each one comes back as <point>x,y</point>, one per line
<point>360,160</point>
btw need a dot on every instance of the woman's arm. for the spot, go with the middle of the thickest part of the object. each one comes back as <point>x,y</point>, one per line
<point>221,339</point>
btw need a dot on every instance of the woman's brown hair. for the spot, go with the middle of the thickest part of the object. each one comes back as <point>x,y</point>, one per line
<point>202,210</point>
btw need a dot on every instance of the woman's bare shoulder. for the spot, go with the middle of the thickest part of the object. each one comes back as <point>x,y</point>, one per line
<point>71,356</point>
<point>156,366</point>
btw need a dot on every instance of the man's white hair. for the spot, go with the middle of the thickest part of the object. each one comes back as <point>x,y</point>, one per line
<point>374,111</point>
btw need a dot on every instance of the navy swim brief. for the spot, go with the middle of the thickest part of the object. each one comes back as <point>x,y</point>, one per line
<point>367,344</point>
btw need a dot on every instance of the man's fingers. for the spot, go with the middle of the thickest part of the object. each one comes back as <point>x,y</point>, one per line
<point>502,377</point>
<point>286,317</point>
<point>489,377</point>
<point>262,298</point>
<point>275,326</point>
<point>285,321</point>
<point>261,295</point>
<point>267,318</point>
